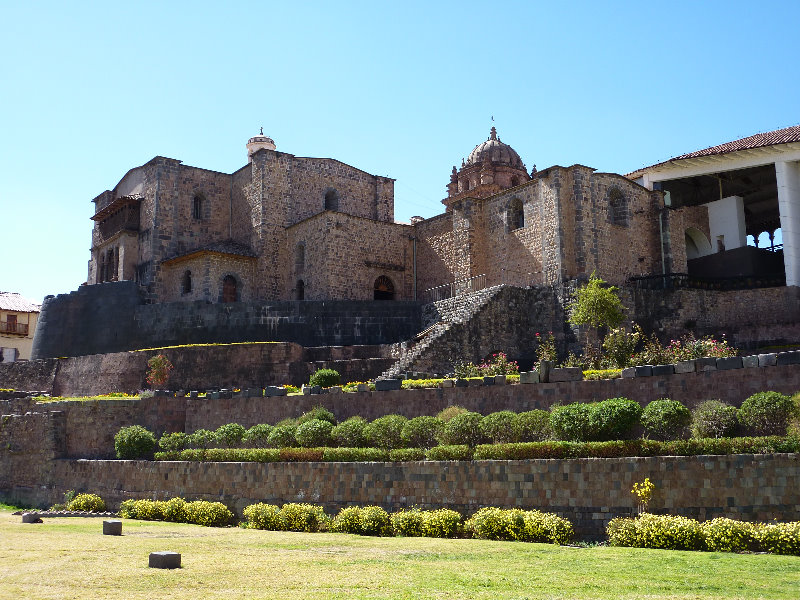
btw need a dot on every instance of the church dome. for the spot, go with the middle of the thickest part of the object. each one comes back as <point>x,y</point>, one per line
<point>259,142</point>
<point>495,151</point>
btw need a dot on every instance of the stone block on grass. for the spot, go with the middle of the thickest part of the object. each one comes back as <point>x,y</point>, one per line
<point>566,374</point>
<point>731,362</point>
<point>112,527</point>
<point>388,385</point>
<point>165,560</point>
<point>685,366</point>
<point>31,518</point>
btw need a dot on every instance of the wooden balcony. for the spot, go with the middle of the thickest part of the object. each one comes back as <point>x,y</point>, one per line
<point>14,328</point>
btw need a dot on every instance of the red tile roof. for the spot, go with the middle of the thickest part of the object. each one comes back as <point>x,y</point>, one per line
<point>15,302</point>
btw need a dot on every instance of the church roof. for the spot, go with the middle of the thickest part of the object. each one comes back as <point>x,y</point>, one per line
<point>496,151</point>
<point>787,135</point>
<point>224,247</point>
<point>13,301</point>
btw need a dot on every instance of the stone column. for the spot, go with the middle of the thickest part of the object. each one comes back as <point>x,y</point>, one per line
<point>787,175</point>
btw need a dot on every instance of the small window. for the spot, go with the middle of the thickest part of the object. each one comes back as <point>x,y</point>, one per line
<point>197,207</point>
<point>516,215</point>
<point>384,288</point>
<point>230,292</point>
<point>300,258</point>
<point>301,290</point>
<point>186,283</point>
<point>331,200</point>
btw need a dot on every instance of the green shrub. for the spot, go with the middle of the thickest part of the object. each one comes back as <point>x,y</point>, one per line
<point>420,384</point>
<point>318,412</point>
<point>350,433</point>
<point>208,514</point>
<point>134,442</point>
<point>355,455</point>
<point>656,531</point>
<point>727,535</point>
<point>614,419</point>
<point>347,521</point>
<point>534,426</point>
<point>230,435</point>
<point>501,427</point>
<point>174,510</point>
<point>282,436</point>
<point>146,510</point>
<point>325,378</point>
<point>714,419</point>
<point>304,517</point>
<point>547,528</point>
<point>257,436</point>
<point>451,452</point>
<point>386,432</point>
<point>767,413</point>
<point>300,454</point>
<point>450,412</point>
<point>464,428</point>
<point>375,521</point>
<point>665,419</point>
<point>572,422</point>
<point>597,374</point>
<point>172,442</point>
<point>408,523</point>
<point>87,503</point>
<point>314,433</point>
<point>264,516</point>
<point>442,523</point>
<point>406,454</point>
<point>421,432</point>
<point>496,524</point>
<point>202,438</point>
<point>780,538</point>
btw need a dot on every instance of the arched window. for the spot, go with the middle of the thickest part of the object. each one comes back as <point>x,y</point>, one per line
<point>197,207</point>
<point>230,292</point>
<point>301,290</point>
<point>331,199</point>
<point>516,215</point>
<point>384,288</point>
<point>300,257</point>
<point>186,283</point>
<point>617,207</point>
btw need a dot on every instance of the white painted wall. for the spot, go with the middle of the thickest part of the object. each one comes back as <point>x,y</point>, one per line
<point>787,175</point>
<point>726,222</point>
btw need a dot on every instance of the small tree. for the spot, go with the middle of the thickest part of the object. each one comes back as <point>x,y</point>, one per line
<point>597,305</point>
<point>159,367</point>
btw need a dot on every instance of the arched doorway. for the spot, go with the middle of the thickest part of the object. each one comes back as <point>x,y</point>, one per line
<point>384,288</point>
<point>229,289</point>
<point>697,244</point>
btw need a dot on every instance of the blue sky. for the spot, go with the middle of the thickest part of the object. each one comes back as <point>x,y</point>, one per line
<point>403,89</point>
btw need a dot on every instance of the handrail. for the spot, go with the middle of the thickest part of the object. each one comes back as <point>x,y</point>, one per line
<point>20,328</point>
<point>684,280</point>
<point>456,288</point>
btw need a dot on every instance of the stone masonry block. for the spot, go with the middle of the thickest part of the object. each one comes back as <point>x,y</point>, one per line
<point>767,360</point>
<point>643,371</point>
<point>732,362</point>
<point>545,366</point>
<point>113,527</point>
<point>488,380</point>
<point>500,380</point>
<point>529,377</point>
<point>31,518</point>
<point>275,390</point>
<point>336,389</point>
<point>566,374</point>
<point>788,358</point>
<point>685,366</point>
<point>706,364</point>
<point>362,387</point>
<point>628,373</point>
<point>165,560</point>
<point>386,385</point>
<point>750,362</point>
<point>446,383</point>
<point>661,370</point>
<point>311,389</point>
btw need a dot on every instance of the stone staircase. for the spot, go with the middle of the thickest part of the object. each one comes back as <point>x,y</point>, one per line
<point>440,317</point>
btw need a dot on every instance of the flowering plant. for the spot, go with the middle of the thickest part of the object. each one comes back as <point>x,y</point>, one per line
<point>159,368</point>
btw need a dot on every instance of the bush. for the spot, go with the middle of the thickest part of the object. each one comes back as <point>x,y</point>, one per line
<point>264,516</point>
<point>174,510</point>
<point>767,413</point>
<point>347,521</point>
<point>421,432</point>
<point>727,535</point>
<point>208,514</point>
<point>257,436</point>
<point>572,422</point>
<point>300,454</point>
<point>146,510</point>
<point>282,436</point>
<point>230,434</point>
<point>714,419</point>
<point>500,427</point>
<point>355,455</point>
<point>350,433</point>
<point>408,523</point>
<point>455,452</point>
<point>406,454</point>
<point>665,419</point>
<point>780,538</point>
<point>134,442</point>
<point>87,503</point>
<point>375,521</point>
<point>172,442</point>
<point>304,517</point>
<point>614,419</point>
<point>656,531</point>
<point>202,438</point>
<point>519,525</point>
<point>386,432</point>
<point>450,412</point>
<point>547,527</point>
<point>314,433</point>
<point>318,412</point>
<point>442,523</point>
<point>464,428</point>
<point>534,426</point>
<point>325,378</point>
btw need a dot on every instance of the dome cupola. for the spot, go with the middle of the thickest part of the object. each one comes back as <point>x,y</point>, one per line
<point>495,151</point>
<point>259,142</point>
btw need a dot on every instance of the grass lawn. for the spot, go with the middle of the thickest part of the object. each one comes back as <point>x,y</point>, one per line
<point>70,558</point>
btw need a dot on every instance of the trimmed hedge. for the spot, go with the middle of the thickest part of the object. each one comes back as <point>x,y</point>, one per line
<point>714,419</point>
<point>199,512</point>
<point>612,419</point>
<point>87,503</point>
<point>134,442</point>
<point>519,525</point>
<point>767,413</point>
<point>665,419</point>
